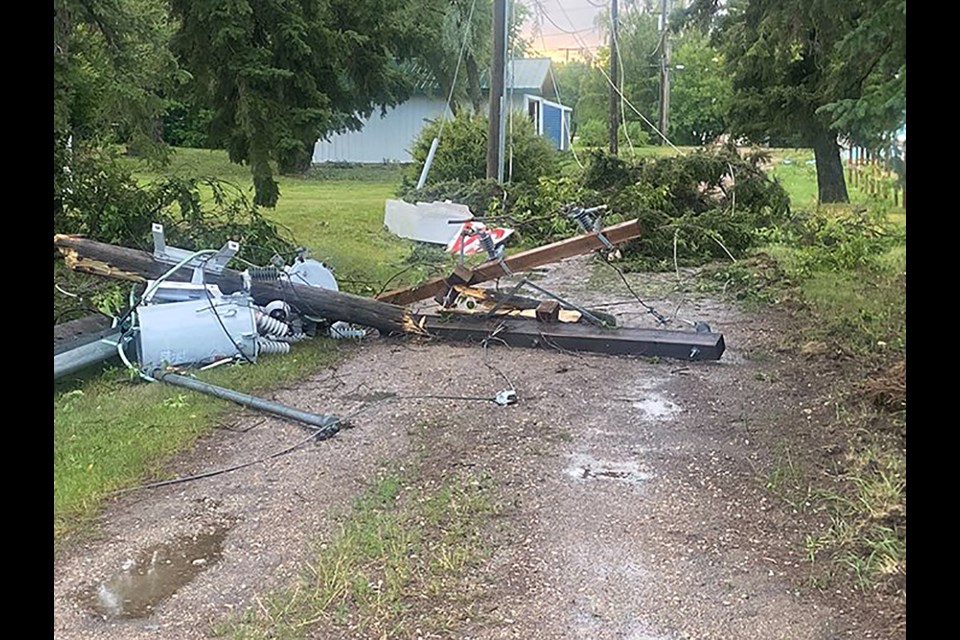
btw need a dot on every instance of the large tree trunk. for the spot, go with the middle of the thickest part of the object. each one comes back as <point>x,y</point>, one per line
<point>831,185</point>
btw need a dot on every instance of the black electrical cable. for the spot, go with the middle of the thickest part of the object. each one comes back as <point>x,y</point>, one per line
<point>443,397</point>
<point>217,472</point>
<point>318,435</point>
<point>656,314</point>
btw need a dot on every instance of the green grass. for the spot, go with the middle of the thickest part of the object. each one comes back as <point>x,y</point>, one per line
<point>848,271</point>
<point>867,533</point>
<point>799,179</point>
<point>335,211</point>
<point>110,432</point>
<point>794,170</point>
<point>397,568</point>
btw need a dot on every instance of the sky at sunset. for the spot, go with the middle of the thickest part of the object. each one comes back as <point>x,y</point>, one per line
<point>561,29</point>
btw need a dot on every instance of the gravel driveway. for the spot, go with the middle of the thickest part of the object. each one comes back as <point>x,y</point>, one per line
<point>636,490</point>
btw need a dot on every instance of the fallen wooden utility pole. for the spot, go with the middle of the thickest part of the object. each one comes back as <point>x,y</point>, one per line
<point>516,263</point>
<point>521,332</point>
<point>98,258</point>
<point>90,256</point>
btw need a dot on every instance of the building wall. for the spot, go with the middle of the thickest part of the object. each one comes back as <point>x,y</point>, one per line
<point>552,127</point>
<point>382,139</point>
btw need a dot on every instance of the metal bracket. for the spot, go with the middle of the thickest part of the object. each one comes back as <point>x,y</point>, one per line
<point>173,255</point>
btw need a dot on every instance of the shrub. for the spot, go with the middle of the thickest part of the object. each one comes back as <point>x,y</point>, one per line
<point>633,133</point>
<point>593,133</point>
<point>462,153</point>
<point>688,200</point>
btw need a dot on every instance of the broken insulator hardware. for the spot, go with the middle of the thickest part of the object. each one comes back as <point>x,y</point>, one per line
<point>263,274</point>
<point>269,325</point>
<point>265,345</point>
<point>486,241</point>
<point>589,223</point>
<point>582,216</point>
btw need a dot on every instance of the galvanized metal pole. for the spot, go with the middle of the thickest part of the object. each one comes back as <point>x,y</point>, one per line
<point>80,357</point>
<point>276,408</point>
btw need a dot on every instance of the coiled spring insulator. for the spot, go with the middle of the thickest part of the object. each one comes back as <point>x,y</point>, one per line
<point>340,330</point>
<point>583,218</point>
<point>264,274</point>
<point>486,241</point>
<point>271,326</point>
<point>265,345</point>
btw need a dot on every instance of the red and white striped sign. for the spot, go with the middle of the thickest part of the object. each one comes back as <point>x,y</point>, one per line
<point>471,243</point>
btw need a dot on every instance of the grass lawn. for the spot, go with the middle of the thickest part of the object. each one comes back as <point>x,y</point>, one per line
<point>336,212</point>
<point>111,433</point>
<point>860,308</point>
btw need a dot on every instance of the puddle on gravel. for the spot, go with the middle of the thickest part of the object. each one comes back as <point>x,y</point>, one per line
<point>587,468</point>
<point>154,575</point>
<point>656,407</point>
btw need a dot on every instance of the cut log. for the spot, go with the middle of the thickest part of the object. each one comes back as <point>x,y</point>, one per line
<point>98,258</point>
<point>523,261</point>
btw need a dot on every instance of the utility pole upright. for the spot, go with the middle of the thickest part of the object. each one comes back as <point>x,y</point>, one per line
<point>614,77</point>
<point>497,70</point>
<point>664,68</point>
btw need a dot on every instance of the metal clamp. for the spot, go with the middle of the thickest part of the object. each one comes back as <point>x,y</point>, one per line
<point>173,255</point>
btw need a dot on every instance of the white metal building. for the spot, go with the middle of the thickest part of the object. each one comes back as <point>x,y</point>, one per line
<point>388,138</point>
<point>383,139</point>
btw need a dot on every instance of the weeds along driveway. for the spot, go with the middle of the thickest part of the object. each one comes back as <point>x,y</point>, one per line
<point>628,500</point>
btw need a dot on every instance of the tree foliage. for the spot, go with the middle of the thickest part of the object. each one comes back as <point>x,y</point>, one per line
<point>279,74</point>
<point>462,153</point>
<point>103,200</point>
<point>111,67</point>
<point>699,92</point>
<point>804,73</point>
<point>452,28</point>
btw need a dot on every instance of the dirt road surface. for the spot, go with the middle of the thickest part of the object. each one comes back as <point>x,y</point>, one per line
<point>634,491</point>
